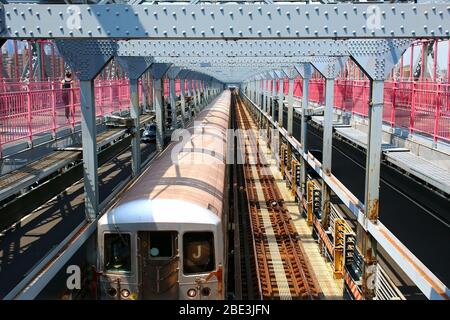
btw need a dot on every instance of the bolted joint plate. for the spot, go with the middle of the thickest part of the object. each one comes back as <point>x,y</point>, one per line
<point>330,69</point>
<point>86,57</point>
<point>158,70</point>
<point>183,74</point>
<point>135,66</point>
<point>377,57</point>
<point>173,72</point>
<point>305,70</point>
<point>280,74</point>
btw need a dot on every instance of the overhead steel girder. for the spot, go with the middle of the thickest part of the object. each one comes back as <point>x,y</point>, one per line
<point>232,21</point>
<point>232,48</point>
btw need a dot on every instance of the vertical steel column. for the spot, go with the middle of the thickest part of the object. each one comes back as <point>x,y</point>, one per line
<point>266,96</point>
<point>194,96</point>
<point>274,94</point>
<point>368,244</point>
<point>201,90</point>
<point>191,94</point>
<point>199,94</point>
<point>144,92</point>
<point>89,142</point>
<point>327,146</point>
<point>173,101</point>
<point>205,91</point>
<point>158,91</point>
<point>290,115</point>
<point>280,103</point>
<point>183,102</point>
<point>374,150</point>
<point>136,136</point>
<point>328,126</point>
<point>303,138</point>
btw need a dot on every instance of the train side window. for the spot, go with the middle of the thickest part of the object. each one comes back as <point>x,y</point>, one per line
<point>117,252</point>
<point>198,252</point>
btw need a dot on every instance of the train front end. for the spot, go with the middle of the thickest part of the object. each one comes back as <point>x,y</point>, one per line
<point>160,249</point>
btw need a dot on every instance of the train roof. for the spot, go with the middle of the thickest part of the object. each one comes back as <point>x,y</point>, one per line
<point>144,211</point>
<point>196,177</point>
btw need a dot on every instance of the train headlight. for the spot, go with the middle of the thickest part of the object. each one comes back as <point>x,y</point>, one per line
<point>112,292</point>
<point>125,293</point>
<point>191,293</point>
<point>206,291</point>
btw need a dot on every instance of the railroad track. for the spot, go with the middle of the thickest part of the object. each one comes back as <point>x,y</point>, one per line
<point>282,267</point>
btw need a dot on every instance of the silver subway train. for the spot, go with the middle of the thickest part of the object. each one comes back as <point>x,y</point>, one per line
<point>164,238</point>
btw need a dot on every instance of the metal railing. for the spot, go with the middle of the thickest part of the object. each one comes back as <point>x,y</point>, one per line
<point>419,107</point>
<point>27,110</point>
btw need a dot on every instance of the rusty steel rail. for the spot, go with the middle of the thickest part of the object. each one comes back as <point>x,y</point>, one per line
<point>297,270</point>
<point>249,272</point>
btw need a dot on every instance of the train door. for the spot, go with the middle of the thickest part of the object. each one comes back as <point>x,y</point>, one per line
<point>158,264</point>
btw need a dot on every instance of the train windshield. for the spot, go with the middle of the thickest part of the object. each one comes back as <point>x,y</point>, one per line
<point>117,252</point>
<point>198,252</point>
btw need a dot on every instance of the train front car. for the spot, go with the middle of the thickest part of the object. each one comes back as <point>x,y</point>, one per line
<point>165,237</point>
